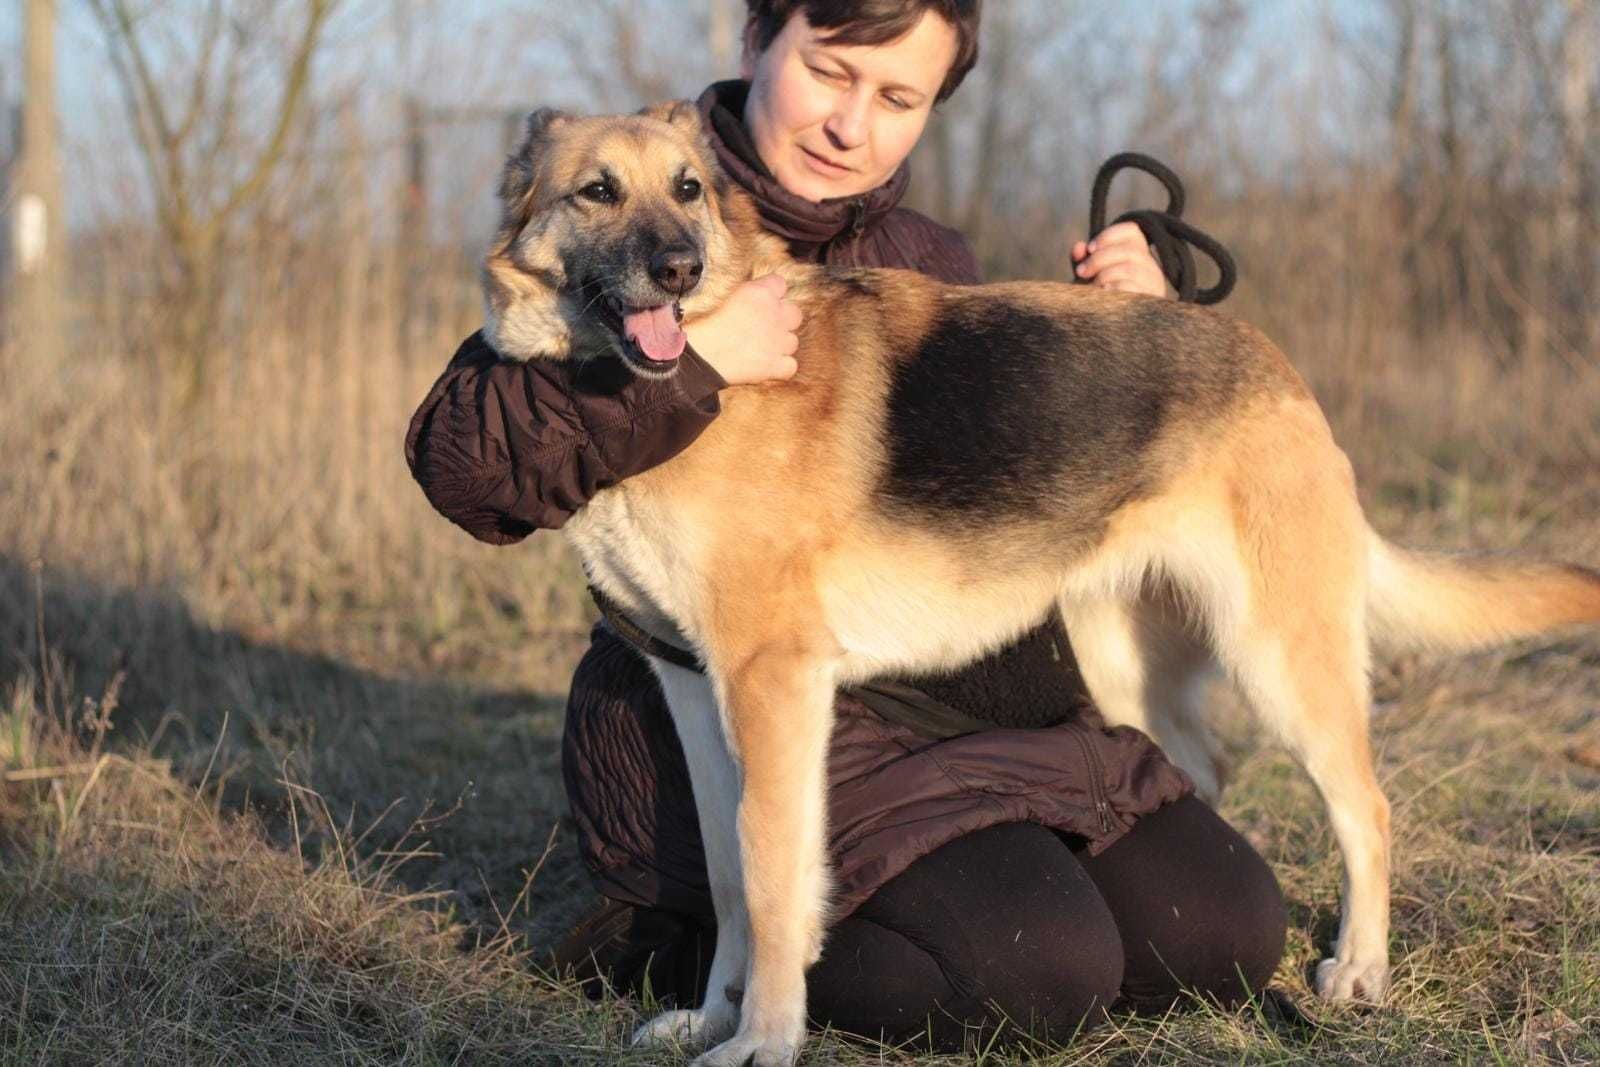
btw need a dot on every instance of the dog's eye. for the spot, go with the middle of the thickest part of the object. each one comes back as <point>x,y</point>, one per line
<point>688,189</point>
<point>599,192</point>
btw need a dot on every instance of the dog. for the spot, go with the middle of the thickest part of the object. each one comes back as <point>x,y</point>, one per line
<point>949,465</point>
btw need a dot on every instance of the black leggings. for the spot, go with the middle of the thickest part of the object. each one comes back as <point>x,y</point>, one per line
<point>1018,922</point>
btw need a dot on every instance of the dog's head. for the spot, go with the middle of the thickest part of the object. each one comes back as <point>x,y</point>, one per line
<point>612,229</point>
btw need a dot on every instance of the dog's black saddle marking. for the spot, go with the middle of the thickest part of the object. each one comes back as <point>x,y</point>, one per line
<point>1002,410</point>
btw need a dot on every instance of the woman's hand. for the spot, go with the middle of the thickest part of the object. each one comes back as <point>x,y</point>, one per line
<point>1120,258</point>
<point>751,337</point>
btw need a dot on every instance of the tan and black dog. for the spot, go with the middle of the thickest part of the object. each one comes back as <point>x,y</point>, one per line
<point>949,465</point>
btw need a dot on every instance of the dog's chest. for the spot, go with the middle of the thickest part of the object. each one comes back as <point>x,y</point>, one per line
<point>642,555</point>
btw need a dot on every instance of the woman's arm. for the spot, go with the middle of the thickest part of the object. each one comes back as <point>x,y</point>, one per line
<point>502,449</point>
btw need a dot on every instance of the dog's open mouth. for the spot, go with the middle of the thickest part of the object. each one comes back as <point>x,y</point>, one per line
<point>651,336</point>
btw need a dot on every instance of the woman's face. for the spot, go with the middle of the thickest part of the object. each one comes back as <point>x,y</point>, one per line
<point>834,120</point>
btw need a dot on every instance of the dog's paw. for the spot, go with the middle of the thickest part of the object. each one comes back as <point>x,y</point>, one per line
<point>1353,980</point>
<point>687,1029</point>
<point>756,1051</point>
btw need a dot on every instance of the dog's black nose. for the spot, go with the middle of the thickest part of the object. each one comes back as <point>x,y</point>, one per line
<point>677,270</point>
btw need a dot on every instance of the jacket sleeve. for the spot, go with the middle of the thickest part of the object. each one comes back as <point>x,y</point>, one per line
<point>502,449</point>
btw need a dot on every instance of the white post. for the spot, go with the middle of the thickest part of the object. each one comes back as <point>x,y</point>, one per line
<point>37,227</point>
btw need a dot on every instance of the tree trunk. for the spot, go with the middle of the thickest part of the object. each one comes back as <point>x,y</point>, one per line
<point>38,224</point>
<point>1575,227</point>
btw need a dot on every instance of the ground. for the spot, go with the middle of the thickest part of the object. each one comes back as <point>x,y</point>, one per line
<point>281,758</point>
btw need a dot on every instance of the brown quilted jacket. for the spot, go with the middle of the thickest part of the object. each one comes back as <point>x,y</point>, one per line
<point>503,449</point>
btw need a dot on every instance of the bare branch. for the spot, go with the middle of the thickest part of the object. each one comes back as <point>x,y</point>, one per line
<point>294,91</point>
<point>201,86</point>
<point>161,162</point>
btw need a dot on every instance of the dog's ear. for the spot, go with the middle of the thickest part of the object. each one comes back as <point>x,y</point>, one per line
<point>523,315</point>
<point>686,116</point>
<point>521,172</point>
<point>680,113</point>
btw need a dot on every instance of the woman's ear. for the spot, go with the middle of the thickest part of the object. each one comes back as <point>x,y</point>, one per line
<point>748,52</point>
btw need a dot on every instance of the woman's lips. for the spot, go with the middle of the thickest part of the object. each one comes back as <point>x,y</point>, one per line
<point>822,165</point>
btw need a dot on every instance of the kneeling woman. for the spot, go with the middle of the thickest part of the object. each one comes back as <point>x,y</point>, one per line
<point>1001,855</point>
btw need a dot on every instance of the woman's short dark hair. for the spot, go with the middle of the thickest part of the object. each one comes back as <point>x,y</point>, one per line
<point>874,22</point>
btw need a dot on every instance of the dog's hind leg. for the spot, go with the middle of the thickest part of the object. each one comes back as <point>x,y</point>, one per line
<point>1314,693</point>
<point>1146,669</point>
<point>715,780</point>
<point>1290,626</point>
<point>778,700</point>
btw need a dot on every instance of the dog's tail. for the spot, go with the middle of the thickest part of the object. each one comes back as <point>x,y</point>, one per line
<point>1437,601</point>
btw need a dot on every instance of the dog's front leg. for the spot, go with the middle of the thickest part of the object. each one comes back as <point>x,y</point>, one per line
<point>779,706</point>
<point>715,779</point>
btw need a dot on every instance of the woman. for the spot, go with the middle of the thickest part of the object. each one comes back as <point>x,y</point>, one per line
<point>1027,864</point>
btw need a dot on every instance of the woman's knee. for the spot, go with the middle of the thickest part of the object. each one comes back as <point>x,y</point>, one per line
<point>876,982</point>
<point>1247,925</point>
<point>1066,995</point>
<point>1199,909</point>
<point>1005,932</point>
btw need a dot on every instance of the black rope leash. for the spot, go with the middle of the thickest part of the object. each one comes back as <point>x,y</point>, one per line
<point>1165,230</point>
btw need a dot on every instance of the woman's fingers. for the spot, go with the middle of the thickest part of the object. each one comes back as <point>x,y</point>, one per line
<point>1120,258</point>
<point>751,338</point>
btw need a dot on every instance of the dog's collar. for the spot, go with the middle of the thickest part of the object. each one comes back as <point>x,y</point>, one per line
<point>643,639</point>
<point>893,701</point>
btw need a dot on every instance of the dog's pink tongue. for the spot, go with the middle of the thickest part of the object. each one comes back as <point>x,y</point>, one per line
<point>656,332</point>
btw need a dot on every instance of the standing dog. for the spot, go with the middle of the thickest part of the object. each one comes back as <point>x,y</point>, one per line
<point>949,465</point>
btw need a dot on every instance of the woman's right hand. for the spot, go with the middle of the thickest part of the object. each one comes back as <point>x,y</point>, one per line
<point>751,338</point>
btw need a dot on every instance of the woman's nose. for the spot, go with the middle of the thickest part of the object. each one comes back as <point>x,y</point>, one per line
<point>847,126</point>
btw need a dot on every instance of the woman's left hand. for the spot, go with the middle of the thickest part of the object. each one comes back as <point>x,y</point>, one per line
<point>1120,258</point>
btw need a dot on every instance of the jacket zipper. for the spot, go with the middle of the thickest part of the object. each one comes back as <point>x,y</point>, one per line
<point>858,219</point>
<point>1096,782</point>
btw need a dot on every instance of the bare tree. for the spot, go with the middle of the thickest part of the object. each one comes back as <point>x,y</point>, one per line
<point>1577,54</point>
<point>611,55</point>
<point>209,151</point>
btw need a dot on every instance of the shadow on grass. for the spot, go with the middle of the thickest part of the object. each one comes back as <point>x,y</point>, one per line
<point>381,751</point>
<point>198,972</point>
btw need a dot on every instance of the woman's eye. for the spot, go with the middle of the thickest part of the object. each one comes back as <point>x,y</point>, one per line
<point>599,192</point>
<point>897,103</point>
<point>688,189</point>
<point>829,75</point>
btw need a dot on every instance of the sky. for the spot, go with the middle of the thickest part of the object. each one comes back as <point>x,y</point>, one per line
<point>83,79</point>
<point>516,60</point>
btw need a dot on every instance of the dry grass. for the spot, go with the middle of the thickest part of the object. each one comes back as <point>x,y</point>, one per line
<point>305,815</point>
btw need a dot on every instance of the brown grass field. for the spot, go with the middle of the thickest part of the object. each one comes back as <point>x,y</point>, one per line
<point>280,747</point>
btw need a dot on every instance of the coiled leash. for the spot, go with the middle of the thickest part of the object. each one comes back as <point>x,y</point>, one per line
<point>1165,230</point>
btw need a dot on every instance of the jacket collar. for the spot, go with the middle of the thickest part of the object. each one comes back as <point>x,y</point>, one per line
<point>802,221</point>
